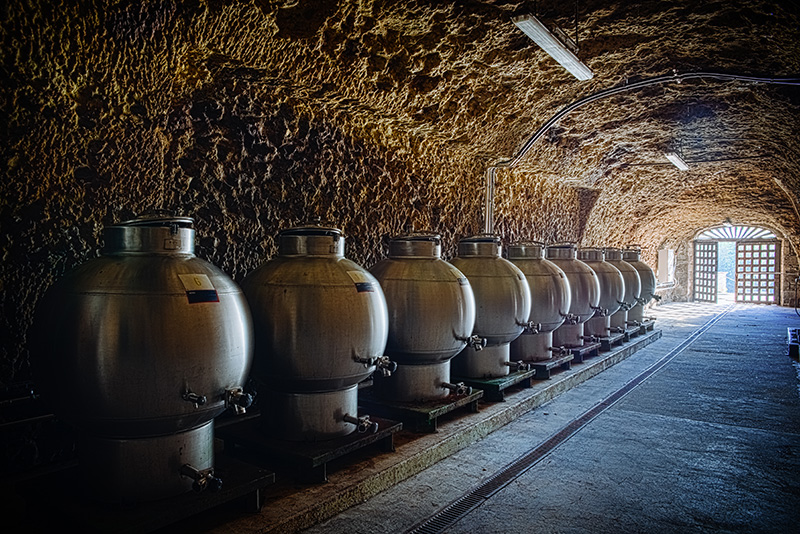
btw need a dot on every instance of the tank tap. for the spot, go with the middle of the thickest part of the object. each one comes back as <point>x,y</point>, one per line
<point>203,478</point>
<point>570,318</point>
<point>363,424</point>
<point>624,306</point>
<point>530,327</point>
<point>458,389</point>
<point>475,342</point>
<point>237,399</point>
<point>519,366</point>
<point>383,363</point>
<point>194,398</point>
<point>657,298</point>
<point>558,351</point>
<point>600,312</point>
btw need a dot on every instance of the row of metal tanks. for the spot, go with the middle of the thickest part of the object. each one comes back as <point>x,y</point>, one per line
<point>144,346</point>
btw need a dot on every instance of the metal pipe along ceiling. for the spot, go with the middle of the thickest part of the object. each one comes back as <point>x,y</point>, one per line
<point>488,223</point>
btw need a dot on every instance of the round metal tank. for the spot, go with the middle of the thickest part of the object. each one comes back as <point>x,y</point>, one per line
<point>648,279</point>
<point>140,348</point>
<point>550,301</point>
<point>585,289</point>
<point>612,290</point>
<point>321,326</point>
<point>503,305</point>
<point>633,287</point>
<point>431,317</point>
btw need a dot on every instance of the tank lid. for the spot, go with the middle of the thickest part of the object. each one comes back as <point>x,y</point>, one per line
<point>485,245</point>
<point>150,233</point>
<point>612,253</point>
<point>590,254</point>
<point>526,249</point>
<point>311,240</point>
<point>562,251</point>
<point>416,245</point>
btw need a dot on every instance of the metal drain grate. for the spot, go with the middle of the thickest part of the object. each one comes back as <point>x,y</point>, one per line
<point>480,494</point>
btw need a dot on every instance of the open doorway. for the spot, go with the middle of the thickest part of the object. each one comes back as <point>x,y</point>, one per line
<point>740,263</point>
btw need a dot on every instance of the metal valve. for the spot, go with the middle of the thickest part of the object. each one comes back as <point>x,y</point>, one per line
<point>458,389</point>
<point>203,478</point>
<point>475,342</point>
<point>600,312</point>
<point>383,363</point>
<point>237,399</point>
<point>194,398</point>
<point>530,327</point>
<point>519,366</point>
<point>558,351</point>
<point>624,306</point>
<point>363,424</point>
<point>570,318</point>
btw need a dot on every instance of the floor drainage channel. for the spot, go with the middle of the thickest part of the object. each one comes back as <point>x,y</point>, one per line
<point>480,494</point>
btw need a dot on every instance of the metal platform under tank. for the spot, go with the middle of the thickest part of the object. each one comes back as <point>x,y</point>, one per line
<point>587,350</point>
<point>421,416</point>
<point>607,342</point>
<point>494,388</point>
<point>544,368</point>
<point>56,504</point>
<point>308,459</point>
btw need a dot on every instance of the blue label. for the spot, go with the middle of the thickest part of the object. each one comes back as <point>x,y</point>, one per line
<point>202,295</point>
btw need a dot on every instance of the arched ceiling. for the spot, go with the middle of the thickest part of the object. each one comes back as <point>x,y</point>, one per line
<point>460,77</point>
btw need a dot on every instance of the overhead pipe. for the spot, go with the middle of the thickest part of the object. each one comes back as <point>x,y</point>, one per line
<point>491,172</point>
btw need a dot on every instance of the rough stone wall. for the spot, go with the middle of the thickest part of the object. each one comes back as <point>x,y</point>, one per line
<point>375,116</point>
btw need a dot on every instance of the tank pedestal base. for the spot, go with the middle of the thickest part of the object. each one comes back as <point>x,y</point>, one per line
<point>544,368</point>
<point>620,319</point>
<point>494,388</point>
<point>636,314</point>
<point>243,482</point>
<point>532,347</point>
<point>309,416</point>
<point>490,362</point>
<point>421,416</point>
<point>143,469</point>
<point>414,383</point>
<point>588,350</point>
<point>306,459</point>
<point>598,326</point>
<point>568,335</point>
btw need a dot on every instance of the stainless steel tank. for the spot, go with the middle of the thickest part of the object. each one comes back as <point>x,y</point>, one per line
<point>585,289</point>
<point>321,326</point>
<point>140,349</point>
<point>633,287</point>
<point>612,290</point>
<point>431,317</point>
<point>648,278</point>
<point>550,301</point>
<point>503,305</point>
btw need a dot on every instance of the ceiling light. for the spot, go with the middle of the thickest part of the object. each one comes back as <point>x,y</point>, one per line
<point>534,29</point>
<point>676,160</point>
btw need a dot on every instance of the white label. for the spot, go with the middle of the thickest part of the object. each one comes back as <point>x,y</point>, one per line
<point>195,282</point>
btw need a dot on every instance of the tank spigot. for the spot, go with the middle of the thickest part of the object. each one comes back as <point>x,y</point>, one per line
<point>624,306</point>
<point>558,351</point>
<point>590,339</point>
<point>194,398</point>
<point>237,399</point>
<point>203,478</point>
<point>475,342</point>
<point>530,327</point>
<point>458,389</point>
<point>570,318</point>
<point>519,366</point>
<point>383,363</point>
<point>600,312</point>
<point>363,424</point>
<point>657,298</point>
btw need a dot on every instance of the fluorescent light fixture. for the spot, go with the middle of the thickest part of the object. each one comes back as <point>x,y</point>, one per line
<point>676,160</point>
<point>534,29</point>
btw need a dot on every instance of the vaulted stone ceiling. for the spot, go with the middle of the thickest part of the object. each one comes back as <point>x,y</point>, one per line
<point>254,115</point>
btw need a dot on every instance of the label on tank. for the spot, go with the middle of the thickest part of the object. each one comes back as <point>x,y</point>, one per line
<point>198,288</point>
<point>362,281</point>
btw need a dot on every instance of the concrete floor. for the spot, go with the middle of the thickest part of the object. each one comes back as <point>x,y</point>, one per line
<point>708,443</point>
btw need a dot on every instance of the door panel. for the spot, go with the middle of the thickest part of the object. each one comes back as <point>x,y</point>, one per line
<point>758,271</point>
<point>705,271</point>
